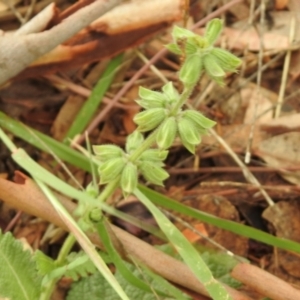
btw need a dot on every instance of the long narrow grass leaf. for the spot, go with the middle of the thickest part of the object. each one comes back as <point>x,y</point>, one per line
<point>235,227</point>
<point>186,250</point>
<point>39,140</point>
<point>103,232</point>
<point>83,240</point>
<point>92,103</point>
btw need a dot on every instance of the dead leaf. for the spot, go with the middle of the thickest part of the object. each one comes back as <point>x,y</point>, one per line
<point>282,124</point>
<point>281,4</point>
<point>284,216</point>
<point>237,136</point>
<point>282,151</point>
<point>242,36</point>
<point>192,235</point>
<point>259,106</point>
<point>220,207</point>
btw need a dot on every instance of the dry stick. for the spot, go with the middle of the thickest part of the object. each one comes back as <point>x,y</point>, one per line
<point>9,16</point>
<point>29,10</point>
<point>38,22</point>
<point>14,11</point>
<point>230,170</point>
<point>258,81</point>
<point>272,286</point>
<point>82,91</point>
<point>27,197</point>
<point>285,69</point>
<point>247,174</point>
<point>157,72</point>
<point>16,53</point>
<point>144,68</point>
<point>286,188</point>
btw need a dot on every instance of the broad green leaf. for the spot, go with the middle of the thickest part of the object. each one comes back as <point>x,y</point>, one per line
<point>213,30</point>
<point>44,263</point>
<point>19,278</point>
<point>77,265</point>
<point>95,288</point>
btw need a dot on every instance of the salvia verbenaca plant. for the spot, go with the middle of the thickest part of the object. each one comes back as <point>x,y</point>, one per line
<point>164,114</point>
<point>164,118</point>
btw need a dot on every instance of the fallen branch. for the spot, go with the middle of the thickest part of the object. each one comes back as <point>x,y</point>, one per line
<point>26,196</point>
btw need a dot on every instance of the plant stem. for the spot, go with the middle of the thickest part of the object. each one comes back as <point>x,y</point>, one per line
<point>66,248</point>
<point>109,189</point>
<point>145,145</point>
<point>64,251</point>
<point>183,97</point>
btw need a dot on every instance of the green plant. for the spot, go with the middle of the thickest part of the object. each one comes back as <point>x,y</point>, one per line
<point>165,117</point>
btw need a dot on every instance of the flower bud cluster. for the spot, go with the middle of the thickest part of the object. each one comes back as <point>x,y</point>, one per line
<point>114,162</point>
<point>157,105</point>
<point>163,112</point>
<point>200,55</point>
<point>160,111</point>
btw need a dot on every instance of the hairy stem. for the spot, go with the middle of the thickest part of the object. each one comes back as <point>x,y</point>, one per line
<point>64,251</point>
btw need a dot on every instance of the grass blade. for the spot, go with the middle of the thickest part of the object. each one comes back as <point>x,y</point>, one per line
<point>92,103</point>
<point>186,250</point>
<point>38,140</point>
<point>237,228</point>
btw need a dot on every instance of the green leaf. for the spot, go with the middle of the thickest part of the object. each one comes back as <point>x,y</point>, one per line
<point>107,152</point>
<point>146,94</point>
<point>82,239</point>
<point>18,277</point>
<point>149,119</point>
<point>155,155</point>
<point>77,265</point>
<point>212,67</point>
<point>170,92</point>
<point>110,169</point>
<point>226,60</point>
<point>191,69</point>
<point>44,263</point>
<point>213,30</point>
<point>188,133</point>
<point>133,141</point>
<point>198,119</point>
<point>172,47</point>
<point>192,45</point>
<point>95,288</point>
<point>186,250</point>
<point>178,33</point>
<point>44,142</point>
<point>129,178</point>
<point>166,133</point>
<point>105,232</point>
<point>221,264</point>
<point>153,172</point>
<point>94,100</point>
